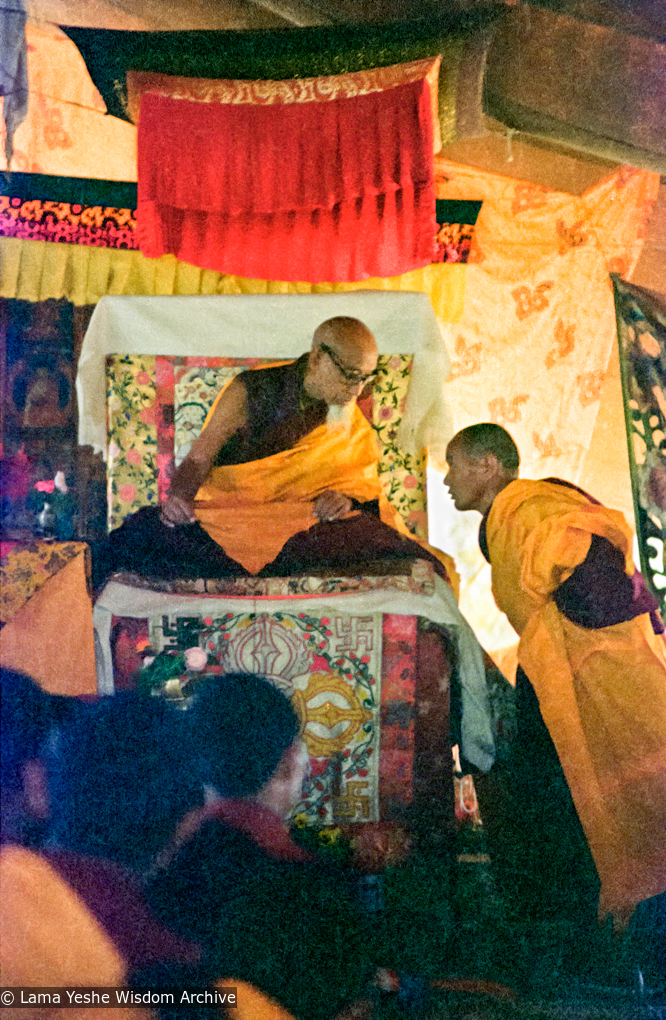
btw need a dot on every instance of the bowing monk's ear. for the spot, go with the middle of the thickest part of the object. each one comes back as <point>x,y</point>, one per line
<point>489,463</point>
<point>490,468</point>
<point>496,472</point>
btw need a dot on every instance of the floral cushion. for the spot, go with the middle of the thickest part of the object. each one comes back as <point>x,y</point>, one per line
<point>157,406</point>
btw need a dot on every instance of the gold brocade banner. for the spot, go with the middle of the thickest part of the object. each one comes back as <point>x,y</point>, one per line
<point>297,90</point>
<point>47,615</point>
<point>36,271</point>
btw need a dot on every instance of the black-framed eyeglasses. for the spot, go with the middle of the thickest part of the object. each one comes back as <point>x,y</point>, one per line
<point>350,375</point>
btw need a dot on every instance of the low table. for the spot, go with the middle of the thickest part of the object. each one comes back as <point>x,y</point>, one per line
<point>46,614</point>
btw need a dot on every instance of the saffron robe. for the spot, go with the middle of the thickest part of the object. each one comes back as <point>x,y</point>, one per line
<point>253,509</point>
<point>50,939</point>
<point>601,692</point>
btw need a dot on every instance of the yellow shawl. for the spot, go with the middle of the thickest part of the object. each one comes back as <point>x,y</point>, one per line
<point>50,939</point>
<point>252,509</point>
<point>602,693</point>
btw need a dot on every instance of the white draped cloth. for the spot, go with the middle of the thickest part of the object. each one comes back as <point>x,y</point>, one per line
<point>271,326</point>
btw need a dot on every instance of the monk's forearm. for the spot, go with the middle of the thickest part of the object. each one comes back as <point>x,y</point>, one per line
<point>188,478</point>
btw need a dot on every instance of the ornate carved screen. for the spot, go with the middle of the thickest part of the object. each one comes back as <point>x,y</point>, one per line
<point>641,328</point>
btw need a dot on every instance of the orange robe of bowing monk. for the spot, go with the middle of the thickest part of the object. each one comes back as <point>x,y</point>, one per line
<point>253,509</point>
<point>602,692</point>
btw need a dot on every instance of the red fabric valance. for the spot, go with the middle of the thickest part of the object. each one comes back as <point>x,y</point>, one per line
<point>333,190</point>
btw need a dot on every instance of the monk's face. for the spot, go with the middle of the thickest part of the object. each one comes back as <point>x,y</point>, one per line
<point>466,478</point>
<point>342,362</point>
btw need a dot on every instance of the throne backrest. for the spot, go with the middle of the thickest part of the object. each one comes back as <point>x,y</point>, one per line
<point>157,405</point>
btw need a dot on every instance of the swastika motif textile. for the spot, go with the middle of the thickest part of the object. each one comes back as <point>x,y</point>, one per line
<point>331,667</point>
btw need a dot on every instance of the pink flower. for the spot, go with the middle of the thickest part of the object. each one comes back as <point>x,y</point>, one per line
<point>147,415</point>
<point>386,413</point>
<point>196,658</point>
<point>143,379</point>
<point>410,482</point>
<point>133,457</point>
<point>45,486</point>
<point>127,493</point>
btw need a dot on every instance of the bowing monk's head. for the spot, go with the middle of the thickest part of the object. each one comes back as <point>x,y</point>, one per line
<point>482,459</point>
<point>342,360</point>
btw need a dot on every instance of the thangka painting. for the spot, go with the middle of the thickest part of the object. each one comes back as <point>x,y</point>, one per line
<point>641,327</point>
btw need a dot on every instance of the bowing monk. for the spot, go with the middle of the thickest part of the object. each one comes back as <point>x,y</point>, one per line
<point>283,477</point>
<point>591,682</point>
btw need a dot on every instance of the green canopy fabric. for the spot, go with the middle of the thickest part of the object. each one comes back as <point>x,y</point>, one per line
<point>275,55</point>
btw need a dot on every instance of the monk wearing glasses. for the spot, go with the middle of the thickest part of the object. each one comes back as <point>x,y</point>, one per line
<point>283,477</point>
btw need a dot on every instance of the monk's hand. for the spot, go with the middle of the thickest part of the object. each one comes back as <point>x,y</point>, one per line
<point>177,511</point>
<point>331,506</point>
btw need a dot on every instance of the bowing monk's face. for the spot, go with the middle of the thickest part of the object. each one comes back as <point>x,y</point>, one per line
<point>467,478</point>
<point>342,362</point>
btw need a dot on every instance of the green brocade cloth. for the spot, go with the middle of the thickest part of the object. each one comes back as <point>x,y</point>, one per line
<point>282,54</point>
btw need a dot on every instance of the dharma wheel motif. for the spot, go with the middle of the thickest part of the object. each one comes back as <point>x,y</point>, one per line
<point>269,647</point>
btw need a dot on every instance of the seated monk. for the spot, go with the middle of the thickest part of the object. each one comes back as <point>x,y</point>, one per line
<point>282,479</point>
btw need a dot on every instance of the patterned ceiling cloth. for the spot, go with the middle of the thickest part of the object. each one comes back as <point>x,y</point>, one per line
<point>218,188</point>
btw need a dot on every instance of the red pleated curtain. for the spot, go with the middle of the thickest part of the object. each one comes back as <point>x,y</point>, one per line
<point>336,189</point>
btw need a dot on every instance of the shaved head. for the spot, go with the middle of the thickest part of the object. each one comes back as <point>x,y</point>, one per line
<point>487,437</point>
<point>482,459</point>
<point>349,337</point>
<point>342,359</point>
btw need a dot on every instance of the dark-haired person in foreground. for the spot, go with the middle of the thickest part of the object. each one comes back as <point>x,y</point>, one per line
<point>28,714</point>
<point>121,774</point>
<point>591,681</point>
<point>121,777</point>
<point>268,912</point>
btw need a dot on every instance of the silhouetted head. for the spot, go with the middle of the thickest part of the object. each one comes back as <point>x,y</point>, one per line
<point>249,736</point>
<point>122,777</point>
<point>29,714</point>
